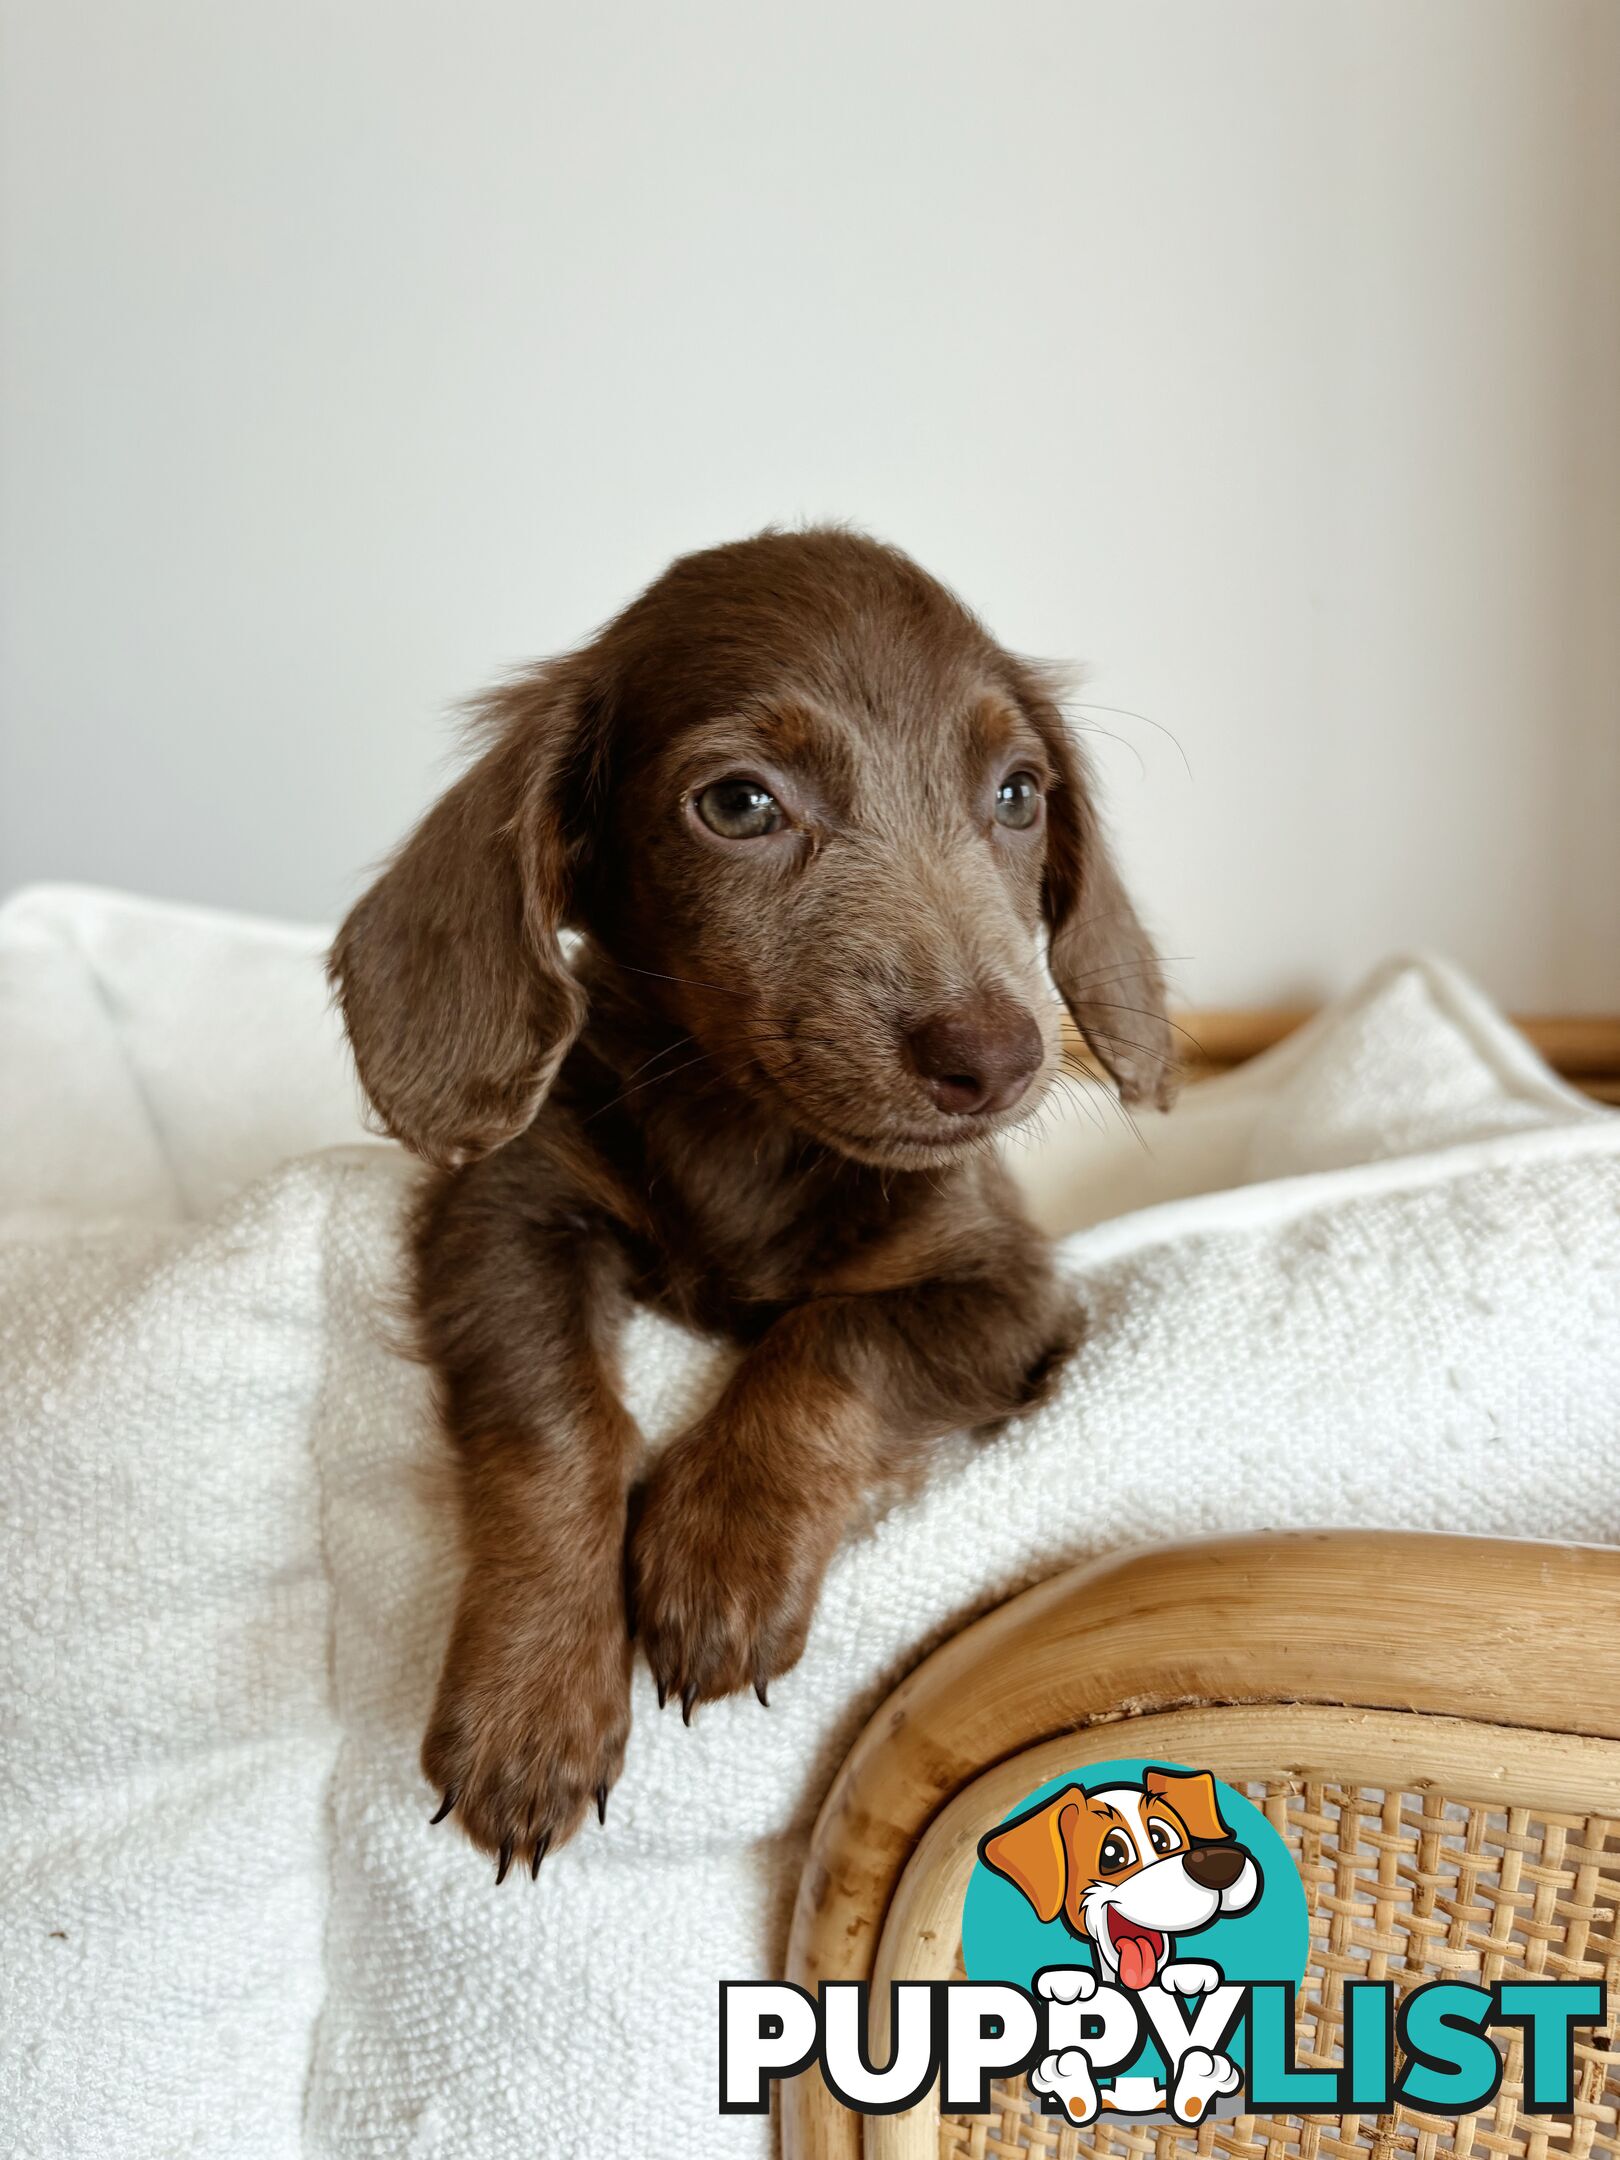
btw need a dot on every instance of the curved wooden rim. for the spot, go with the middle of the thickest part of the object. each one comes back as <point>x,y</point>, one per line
<point>1584,1048</point>
<point>1500,1631</point>
<point>1579,1045</point>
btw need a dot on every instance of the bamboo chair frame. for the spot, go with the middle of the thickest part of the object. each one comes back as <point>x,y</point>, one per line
<point>1448,1670</point>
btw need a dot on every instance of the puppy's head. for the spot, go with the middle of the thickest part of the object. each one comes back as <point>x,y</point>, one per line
<point>1128,1867</point>
<point>823,823</point>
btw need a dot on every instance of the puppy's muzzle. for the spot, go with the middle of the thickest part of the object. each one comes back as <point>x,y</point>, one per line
<point>1215,1867</point>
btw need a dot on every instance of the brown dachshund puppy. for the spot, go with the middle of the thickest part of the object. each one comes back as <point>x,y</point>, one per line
<point>826,847</point>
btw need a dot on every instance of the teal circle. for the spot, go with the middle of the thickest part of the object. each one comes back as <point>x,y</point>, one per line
<point>1004,1939</point>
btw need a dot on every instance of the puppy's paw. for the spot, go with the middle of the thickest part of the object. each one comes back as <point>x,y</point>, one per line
<point>1041,1376</point>
<point>725,1577</point>
<point>530,1724</point>
<point>1068,2079</point>
<point>1066,1983</point>
<point>1200,2078</point>
<point>1189,1976</point>
<point>1035,1378</point>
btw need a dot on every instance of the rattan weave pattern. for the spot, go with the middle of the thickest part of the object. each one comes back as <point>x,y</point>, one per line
<point>1409,1887</point>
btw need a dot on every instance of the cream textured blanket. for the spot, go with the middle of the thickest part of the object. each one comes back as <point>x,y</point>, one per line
<point>225,1927</point>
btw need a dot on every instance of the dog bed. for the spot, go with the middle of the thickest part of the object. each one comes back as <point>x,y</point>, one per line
<point>227,1579</point>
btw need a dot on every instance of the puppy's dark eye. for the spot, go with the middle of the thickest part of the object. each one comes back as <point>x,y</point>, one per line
<point>1161,1837</point>
<point>739,809</point>
<point>1117,1852</point>
<point>1018,801</point>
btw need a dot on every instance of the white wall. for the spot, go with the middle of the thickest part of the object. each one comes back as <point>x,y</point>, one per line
<point>1263,353</point>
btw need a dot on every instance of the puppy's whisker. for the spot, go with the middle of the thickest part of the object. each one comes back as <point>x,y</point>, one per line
<point>688,1042</point>
<point>1122,968</point>
<point>1147,1012</point>
<point>1124,712</point>
<point>1111,1103</point>
<point>1129,1117</point>
<point>1090,727</point>
<point>656,1080</point>
<point>689,982</point>
<point>1061,1079</point>
<point>1112,914</point>
<point>668,1050</point>
<point>1129,1042</point>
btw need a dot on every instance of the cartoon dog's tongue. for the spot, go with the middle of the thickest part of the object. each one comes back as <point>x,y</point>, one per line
<point>1139,1949</point>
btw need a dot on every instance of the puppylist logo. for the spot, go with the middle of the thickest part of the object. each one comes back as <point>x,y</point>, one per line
<point>1141,1908</point>
<point>1134,1937</point>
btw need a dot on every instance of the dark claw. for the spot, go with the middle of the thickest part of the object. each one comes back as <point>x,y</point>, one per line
<point>451,1796</point>
<point>504,1861</point>
<point>601,1803</point>
<point>540,1851</point>
<point>663,1694</point>
<point>688,1698</point>
<point>760,1691</point>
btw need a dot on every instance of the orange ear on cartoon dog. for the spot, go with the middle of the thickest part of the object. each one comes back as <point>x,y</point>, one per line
<point>1193,1798</point>
<point>1033,1851</point>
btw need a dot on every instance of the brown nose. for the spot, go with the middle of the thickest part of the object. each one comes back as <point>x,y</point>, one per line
<point>979,1058</point>
<point>1215,1867</point>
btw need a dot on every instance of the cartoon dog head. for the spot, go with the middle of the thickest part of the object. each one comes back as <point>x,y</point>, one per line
<point>1128,1867</point>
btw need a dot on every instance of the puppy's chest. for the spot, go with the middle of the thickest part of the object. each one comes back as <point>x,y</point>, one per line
<point>730,1259</point>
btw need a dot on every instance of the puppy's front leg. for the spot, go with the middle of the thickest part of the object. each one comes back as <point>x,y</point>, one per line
<point>746,1509</point>
<point>517,1304</point>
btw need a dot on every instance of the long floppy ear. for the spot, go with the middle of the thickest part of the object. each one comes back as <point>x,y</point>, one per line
<point>1033,1852</point>
<point>454,989</point>
<point>1192,1795</point>
<point>1101,958</point>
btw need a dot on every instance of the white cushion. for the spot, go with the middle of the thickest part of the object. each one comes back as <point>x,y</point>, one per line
<point>155,1058</point>
<point>1413,1059</point>
<point>168,1733</point>
<point>228,1573</point>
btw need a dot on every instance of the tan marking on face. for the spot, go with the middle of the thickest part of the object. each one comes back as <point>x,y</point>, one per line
<point>1054,1854</point>
<point>1192,1800</point>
